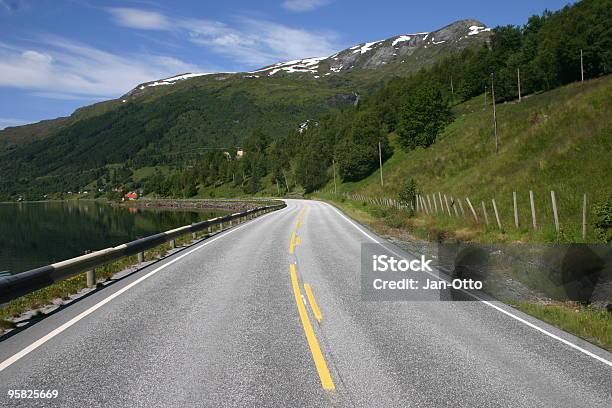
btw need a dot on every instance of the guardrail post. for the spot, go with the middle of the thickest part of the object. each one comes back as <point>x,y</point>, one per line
<point>194,236</point>
<point>91,278</point>
<point>220,226</point>
<point>91,275</point>
<point>173,244</point>
<point>210,229</point>
<point>141,257</point>
<point>231,223</point>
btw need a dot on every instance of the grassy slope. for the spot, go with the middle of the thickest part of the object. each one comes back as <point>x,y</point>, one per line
<point>559,140</point>
<point>17,136</point>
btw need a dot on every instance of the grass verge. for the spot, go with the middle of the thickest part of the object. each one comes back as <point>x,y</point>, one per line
<point>593,325</point>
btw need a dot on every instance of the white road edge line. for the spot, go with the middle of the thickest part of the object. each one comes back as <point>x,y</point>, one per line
<point>15,357</point>
<point>507,313</point>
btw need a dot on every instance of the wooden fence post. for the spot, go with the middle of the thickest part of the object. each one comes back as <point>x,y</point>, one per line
<point>454,205</point>
<point>496,214</point>
<point>441,205</point>
<point>484,211</point>
<point>429,204</point>
<point>516,219</point>
<point>584,216</point>
<point>533,211</point>
<point>472,208</point>
<point>447,207</point>
<point>461,207</point>
<point>435,203</point>
<point>553,199</point>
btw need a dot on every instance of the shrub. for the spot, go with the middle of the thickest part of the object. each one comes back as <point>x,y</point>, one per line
<point>408,194</point>
<point>603,219</point>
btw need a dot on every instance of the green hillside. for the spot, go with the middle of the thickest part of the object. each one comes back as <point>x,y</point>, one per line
<point>558,140</point>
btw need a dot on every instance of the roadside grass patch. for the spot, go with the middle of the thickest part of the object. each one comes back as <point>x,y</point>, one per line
<point>593,325</point>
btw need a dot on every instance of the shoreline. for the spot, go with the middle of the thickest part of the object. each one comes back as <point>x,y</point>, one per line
<point>230,205</point>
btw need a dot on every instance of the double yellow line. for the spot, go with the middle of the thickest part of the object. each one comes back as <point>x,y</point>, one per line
<point>313,343</point>
<point>321,365</point>
<point>295,239</point>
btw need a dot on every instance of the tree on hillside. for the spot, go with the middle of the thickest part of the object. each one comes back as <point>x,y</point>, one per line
<point>424,115</point>
<point>357,152</point>
<point>311,171</point>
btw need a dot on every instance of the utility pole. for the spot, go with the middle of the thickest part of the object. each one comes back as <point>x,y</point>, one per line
<point>581,67</point>
<point>494,114</point>
<point>518,77</point>
<point>382,183</point>
<point>334,166</point>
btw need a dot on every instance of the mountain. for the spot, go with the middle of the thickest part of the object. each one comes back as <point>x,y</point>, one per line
<point>167,121</point>
<point>405,53</point>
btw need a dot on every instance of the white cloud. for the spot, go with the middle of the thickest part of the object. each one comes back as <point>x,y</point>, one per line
<point>67,69</point>
<point>249,41</point>
<point>304,5</point>
<point>141,19</point>
<point>255,42</point>
<point>8,122</point>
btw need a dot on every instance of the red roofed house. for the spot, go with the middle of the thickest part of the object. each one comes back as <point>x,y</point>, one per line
<point>131,196</point>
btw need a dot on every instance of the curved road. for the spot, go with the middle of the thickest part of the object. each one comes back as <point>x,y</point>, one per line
<point>220,324</point>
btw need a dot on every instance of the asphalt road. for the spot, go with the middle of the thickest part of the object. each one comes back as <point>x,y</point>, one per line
<point>220,324</point>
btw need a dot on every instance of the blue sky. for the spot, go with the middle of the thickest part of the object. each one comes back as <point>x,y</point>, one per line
<point>58,55</point>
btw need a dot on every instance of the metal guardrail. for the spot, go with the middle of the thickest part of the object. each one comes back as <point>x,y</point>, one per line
<point>14,286</point>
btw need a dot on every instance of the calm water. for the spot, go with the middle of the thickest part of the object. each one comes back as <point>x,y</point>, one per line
<point>37,234</point>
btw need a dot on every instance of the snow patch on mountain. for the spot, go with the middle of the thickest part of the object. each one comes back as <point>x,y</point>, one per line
<point>174,79</point>
<point>306,65</point>
<point>401,38</point>
<point>366,47</point>
<point>477,30</point>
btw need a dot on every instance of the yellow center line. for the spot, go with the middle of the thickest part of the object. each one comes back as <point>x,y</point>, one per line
<point>292,243</point>
<point>295,239</point>
<point>326,381</point>
<point>313,303</point>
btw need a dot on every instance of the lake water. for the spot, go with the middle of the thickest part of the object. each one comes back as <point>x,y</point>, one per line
<point>37,234</point>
